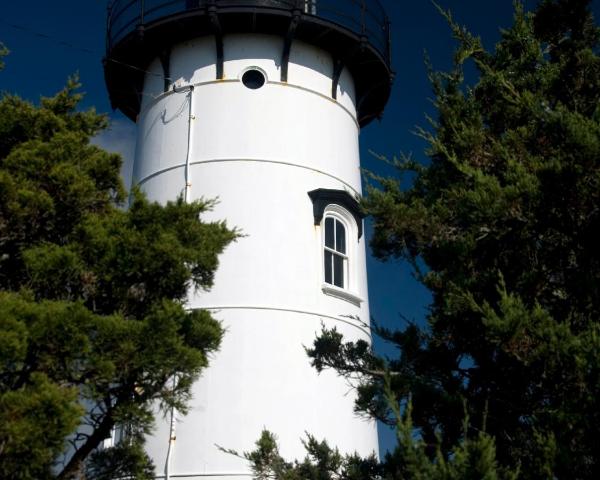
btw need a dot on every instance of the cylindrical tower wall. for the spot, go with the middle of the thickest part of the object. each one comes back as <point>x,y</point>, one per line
<point>260,151</point>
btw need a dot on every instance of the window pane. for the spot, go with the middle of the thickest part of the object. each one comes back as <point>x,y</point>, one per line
<point>328,271</point>
<point>329,233</point>
<point>338,271</point>
<point>340,237</point>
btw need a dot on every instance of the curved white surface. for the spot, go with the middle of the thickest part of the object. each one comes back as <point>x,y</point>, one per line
<point>259,152</point>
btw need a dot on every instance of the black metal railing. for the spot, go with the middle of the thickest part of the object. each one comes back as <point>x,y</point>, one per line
<point>365,18</point>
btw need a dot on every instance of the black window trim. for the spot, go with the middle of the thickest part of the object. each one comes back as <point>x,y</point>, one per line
<point>322,197</point>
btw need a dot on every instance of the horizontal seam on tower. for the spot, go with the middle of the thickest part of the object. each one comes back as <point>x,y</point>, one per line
<point>183,475</point>
<point>326,97</point>
<point>223,160</point>
<point>162,95</point>
<point>281,309</point>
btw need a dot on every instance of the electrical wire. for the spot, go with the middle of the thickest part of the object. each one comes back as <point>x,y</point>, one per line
<point>58,41</point>
<point>70,45</point>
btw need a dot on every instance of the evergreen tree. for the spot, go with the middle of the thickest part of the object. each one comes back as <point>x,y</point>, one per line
<point>471,458</point>
<point>502,227</point>
<point>93,330</point>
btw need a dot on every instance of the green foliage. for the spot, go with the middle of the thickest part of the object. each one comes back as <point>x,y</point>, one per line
<point>321,463</point>
<point>3,52</point>
<point>501,226</point>
<point>34,421</point>
<point>126,460</point>
<point>472,458</point>
<point>92,323</point>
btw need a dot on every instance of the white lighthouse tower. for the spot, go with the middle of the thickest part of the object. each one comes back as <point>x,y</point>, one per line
<point>259,103</point>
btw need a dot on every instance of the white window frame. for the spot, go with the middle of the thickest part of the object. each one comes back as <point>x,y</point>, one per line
<point>336,253</point>
<point>348,291</point>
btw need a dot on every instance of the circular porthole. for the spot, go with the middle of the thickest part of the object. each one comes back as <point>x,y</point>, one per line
<point>253,78</point>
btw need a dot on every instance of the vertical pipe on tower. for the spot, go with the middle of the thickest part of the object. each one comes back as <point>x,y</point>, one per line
<point>172,437</point>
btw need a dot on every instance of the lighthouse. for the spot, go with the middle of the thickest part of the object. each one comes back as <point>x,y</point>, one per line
<point>259,105</point>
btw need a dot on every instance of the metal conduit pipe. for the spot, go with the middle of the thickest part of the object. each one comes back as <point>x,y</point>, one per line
<point>172,438</point>
<point>186,196</point>
<point>188,183</point>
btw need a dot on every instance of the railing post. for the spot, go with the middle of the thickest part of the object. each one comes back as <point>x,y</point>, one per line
<point>108,24</point>
<point>363,14</point>
<point>389,40</point>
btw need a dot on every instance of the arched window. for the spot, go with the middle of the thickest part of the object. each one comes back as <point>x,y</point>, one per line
<point>335,251</point>
<point>340,220</point>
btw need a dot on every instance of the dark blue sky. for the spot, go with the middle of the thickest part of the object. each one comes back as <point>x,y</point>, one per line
<point>50,40</point>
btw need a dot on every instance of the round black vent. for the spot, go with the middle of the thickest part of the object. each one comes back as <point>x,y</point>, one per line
<point>253,78</point>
